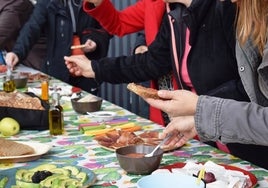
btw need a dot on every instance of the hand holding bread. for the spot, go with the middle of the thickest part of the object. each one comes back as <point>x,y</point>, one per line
<point>142,91</point>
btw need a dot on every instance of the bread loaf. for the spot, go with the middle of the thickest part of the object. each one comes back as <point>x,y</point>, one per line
<point>20,100</point>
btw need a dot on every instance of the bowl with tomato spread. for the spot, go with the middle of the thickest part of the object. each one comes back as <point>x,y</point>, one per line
<point>132,159</point>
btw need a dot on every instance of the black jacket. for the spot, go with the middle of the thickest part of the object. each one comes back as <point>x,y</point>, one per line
<point>211,61</point>
<point>53,18</point>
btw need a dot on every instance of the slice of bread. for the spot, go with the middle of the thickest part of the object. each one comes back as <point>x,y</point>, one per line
<point>142,91</point>
<point>12,148</point>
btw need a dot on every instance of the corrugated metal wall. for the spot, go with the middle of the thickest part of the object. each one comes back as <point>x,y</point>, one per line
<point>118,93</point>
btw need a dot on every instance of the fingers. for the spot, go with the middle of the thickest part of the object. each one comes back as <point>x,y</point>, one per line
<point>71,66</point>
<point>79,65</point>
<point>75,60</point>
<point>69,59</point>
<point>181,142</point>
<point>11,59</point>
<point>141,49</point>
<point>182,128</point>
<point>90,46</point>
<point>177,140</point>
<point>166,94</point>
<point>157,103</point>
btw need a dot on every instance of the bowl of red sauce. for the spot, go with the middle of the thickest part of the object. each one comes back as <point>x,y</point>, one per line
<point>132,159</point>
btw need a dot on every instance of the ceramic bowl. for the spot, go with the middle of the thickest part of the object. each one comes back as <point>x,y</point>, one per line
<point>86,106</point>
<point>134,164</point>
<point>102,116</point>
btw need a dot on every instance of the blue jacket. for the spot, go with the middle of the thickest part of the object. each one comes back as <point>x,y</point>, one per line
<point>53,18</point>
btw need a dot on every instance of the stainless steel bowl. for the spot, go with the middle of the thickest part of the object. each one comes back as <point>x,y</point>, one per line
<point>20,81</point>
<point>138,165</point>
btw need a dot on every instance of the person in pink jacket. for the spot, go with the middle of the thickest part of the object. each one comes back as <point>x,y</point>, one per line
<point>143,15</point>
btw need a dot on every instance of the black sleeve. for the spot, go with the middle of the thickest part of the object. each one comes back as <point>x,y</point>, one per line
<point>140,41</point>
<point>102,39</point>
<point>31,31</point>
<point>139,67</point>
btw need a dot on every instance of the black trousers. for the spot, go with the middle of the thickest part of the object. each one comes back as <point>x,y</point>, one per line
<point>255,154</point>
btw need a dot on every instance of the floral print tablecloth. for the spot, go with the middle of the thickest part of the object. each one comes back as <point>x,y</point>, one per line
<point>75,148</point>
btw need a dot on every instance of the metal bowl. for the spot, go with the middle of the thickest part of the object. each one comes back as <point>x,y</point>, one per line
<point>20,81</point>
<point>138,165</point>
<point>86,106</point>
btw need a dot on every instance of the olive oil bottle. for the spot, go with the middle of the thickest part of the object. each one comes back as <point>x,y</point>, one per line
<point>56,125</point>
<point>9,83</point>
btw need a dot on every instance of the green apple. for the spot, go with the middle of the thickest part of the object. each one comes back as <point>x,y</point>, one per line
<point>9,126</point>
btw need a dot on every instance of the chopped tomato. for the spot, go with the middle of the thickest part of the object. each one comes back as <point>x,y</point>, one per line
<point>76,90</point>
<point>3,68</point>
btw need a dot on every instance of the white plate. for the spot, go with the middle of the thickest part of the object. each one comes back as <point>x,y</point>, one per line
<point>39,148</point>
<point>102,116</point>
<point>63,90</point>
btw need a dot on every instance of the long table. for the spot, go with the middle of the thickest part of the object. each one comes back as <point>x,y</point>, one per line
<point>75,148</point>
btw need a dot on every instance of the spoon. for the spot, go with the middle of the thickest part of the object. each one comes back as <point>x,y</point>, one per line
<point>9,69</point>
<point>159,145</point>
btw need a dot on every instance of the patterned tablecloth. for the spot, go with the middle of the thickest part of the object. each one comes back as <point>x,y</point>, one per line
<point>75,148</point>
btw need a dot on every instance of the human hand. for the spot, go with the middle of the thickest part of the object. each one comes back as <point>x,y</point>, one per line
<point>141,49</point>
<point>95,2</point>
<point>187,3</point>
<point>182,128</point>
<point>175,103</point>
<point>90,46</point>
<point>79,65</point>
<point>11,59</point>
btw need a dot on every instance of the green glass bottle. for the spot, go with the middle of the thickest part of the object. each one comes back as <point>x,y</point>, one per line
<point>56,123</point>
<point>9,83</point>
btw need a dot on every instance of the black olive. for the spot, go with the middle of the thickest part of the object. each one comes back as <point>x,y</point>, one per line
<point>40,175</point>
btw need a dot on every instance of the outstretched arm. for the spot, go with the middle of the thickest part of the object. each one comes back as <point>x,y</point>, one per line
<point>213,118</point>
<point>79,65</point>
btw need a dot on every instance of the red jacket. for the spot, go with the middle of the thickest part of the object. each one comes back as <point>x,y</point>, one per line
<point>144,15</point>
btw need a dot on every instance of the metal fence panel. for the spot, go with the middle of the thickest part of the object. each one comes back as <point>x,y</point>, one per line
<point>118,93</point>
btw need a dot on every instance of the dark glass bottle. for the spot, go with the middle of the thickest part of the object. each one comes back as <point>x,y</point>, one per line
<point>56,125</point>
<point>9,83</point>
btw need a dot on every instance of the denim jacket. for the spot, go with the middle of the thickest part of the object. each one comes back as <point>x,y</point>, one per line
<point>241,122</point>
<point>253,70</point>
<point>231,121</point>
